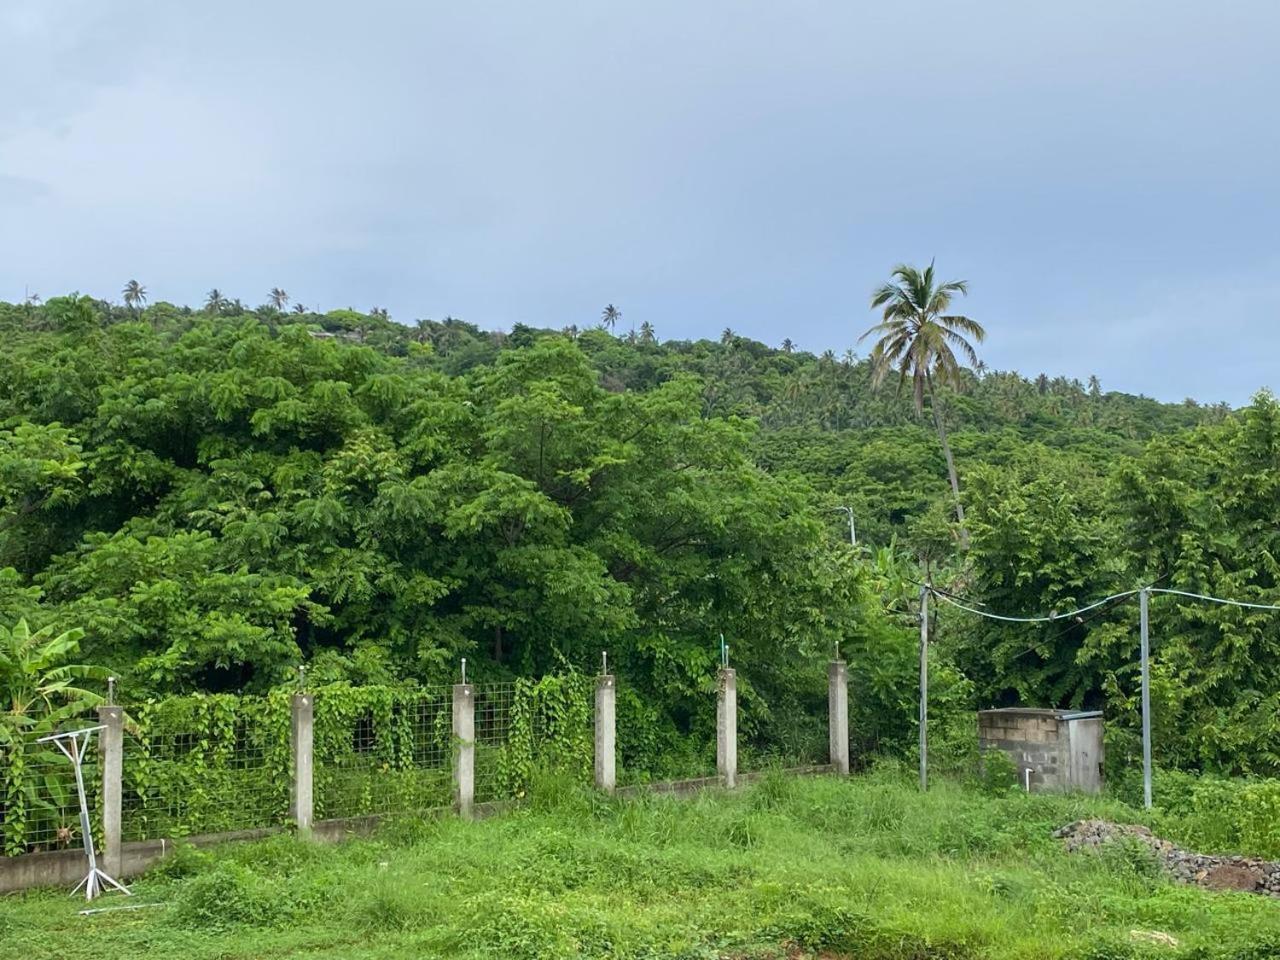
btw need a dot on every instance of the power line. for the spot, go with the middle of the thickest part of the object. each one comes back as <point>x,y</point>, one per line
<point>1045,619</point>
<point>1232,603</point>
<point>1050,618</point>
<point>1050,641</point>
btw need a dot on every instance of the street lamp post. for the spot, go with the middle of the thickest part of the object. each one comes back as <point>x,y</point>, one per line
<point>853,537</point>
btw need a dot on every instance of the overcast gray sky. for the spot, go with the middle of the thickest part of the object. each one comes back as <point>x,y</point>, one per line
<point>1103,172</point>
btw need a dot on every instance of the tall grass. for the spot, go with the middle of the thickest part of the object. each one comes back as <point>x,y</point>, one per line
<point>864,868</point>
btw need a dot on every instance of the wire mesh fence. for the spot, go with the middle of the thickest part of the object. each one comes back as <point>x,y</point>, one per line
<point>493,730</point>
<point>39,804</point>
<point>221,763</point>
<point>205,765</point>
<point>382,751</point>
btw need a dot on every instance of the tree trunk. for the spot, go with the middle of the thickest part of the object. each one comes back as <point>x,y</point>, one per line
<point>951,463</point>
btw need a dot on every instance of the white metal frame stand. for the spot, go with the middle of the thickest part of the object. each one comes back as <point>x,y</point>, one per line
<point>73,745</point>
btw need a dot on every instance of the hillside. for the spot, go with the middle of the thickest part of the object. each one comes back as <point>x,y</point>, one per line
<point>218,497</point>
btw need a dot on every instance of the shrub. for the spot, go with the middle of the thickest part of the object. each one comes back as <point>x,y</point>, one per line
<point>228,895</point>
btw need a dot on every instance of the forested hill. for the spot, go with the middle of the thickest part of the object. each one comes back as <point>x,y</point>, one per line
<point>818,415</point>
<point>216,496</point>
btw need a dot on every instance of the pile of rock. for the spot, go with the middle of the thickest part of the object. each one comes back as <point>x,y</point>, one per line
<point>1213,873</point>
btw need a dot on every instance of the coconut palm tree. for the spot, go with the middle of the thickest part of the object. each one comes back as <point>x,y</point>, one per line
<point>918,337</point>
<point>788,346</point>
<point>379,313</point>
<point>215,302</point>
<point>727,336</point>
<point>610,316</point>
<point>279,299</point>
<point>794,393</point>
<point>646,332</point>
<point>299,308</point>
<point>135,294</point>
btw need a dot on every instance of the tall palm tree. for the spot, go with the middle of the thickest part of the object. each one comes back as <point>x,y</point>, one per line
<point>727,336</point>
<point>135,294</point>
<point>299,308</point>
<point>610,316</point>
<point>215,302</point>
<point>379,313</point>
<point>919,338</point>
<point>794,393</point>
<point>279,299</point>
<point>646,332</point>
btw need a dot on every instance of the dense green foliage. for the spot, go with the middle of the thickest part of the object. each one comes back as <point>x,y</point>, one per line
<point>218,496</point>
<point>866,869</point>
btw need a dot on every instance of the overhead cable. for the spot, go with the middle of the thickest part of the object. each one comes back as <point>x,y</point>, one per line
<point>1232,603</point>
<point>1046,619</point>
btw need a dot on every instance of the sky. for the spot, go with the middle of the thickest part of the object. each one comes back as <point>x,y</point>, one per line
<point>1103,172</point>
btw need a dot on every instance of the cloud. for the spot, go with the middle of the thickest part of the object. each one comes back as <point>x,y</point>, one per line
<point>721,164</point>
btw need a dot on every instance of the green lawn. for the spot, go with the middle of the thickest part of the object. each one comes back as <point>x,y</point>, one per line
<point>865,868</point>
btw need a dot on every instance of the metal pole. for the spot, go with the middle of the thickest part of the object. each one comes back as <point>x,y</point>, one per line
<point>853,536</point>
<point>86,828</point>
<point>924,688</point>
<point>1146,697</point>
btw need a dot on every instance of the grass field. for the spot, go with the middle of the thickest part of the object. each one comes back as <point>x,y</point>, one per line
<point>865,868</point>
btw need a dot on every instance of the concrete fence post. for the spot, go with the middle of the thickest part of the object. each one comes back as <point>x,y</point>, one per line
<point>464,747</point>
<point>606,733</point>
<point>111,748</point>
<point>838,714</point>
<point>301,743</point>
<point>727,727</point>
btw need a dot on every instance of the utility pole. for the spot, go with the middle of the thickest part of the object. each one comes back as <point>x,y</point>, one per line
<point>1143,619</point>
<point>853,537</point>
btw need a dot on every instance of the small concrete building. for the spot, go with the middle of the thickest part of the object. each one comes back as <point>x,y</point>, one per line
<point>1052,749</point>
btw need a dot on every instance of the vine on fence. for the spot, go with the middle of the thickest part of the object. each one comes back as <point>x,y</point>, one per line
<point>39,808</point>
<point>381,749</point>
<point>213,763</point>
<point>201,764</point>
<point>550,729</point>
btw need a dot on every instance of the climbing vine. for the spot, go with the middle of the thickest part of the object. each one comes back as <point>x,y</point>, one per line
<point>381,749</point>
<point>550,728</point>
<point>222,763</point>
<point>205,764</point>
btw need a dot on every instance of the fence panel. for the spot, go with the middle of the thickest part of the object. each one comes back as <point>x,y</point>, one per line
<point>39,806</point>
<point>205,764</point>
<point>382,751</point>
<point>493,731</point>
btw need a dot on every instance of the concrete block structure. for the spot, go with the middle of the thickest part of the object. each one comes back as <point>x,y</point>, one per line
<point>1053,750</point>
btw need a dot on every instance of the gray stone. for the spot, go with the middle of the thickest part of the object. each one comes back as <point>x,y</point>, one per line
<point>1211,872</point>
